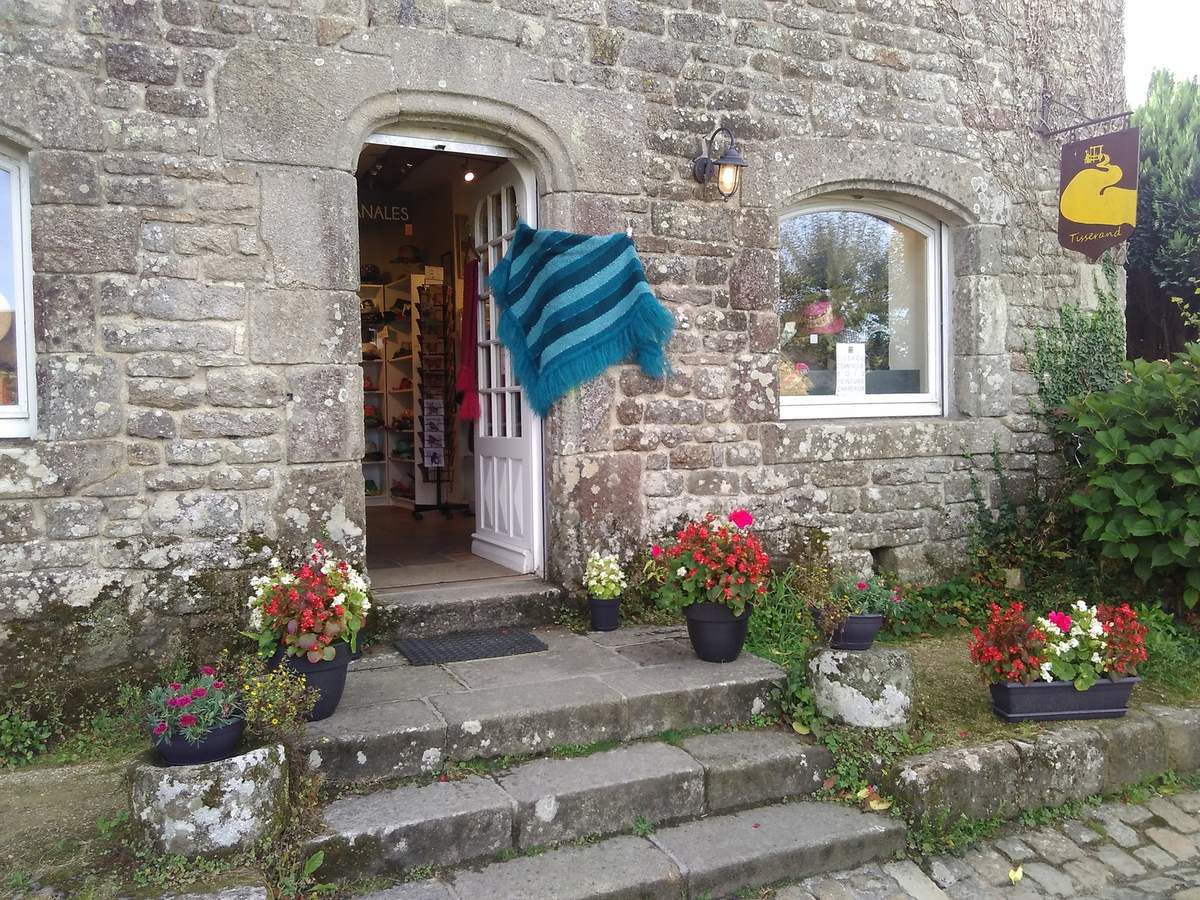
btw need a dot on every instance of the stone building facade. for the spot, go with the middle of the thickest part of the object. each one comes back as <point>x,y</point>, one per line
<point>195,261</point>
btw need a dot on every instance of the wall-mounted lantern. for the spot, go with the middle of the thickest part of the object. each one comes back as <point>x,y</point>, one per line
<point>727,170</point>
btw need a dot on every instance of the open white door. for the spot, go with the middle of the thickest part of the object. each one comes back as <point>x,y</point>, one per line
<point>508,436</point>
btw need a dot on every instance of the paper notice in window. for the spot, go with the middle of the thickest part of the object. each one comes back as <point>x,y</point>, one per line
<point>851,370</point>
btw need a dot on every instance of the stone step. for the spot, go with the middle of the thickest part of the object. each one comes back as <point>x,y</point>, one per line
<point>397,720</point>
<point>713,857</point>
<point>432,609</point>
<point>549,801</point>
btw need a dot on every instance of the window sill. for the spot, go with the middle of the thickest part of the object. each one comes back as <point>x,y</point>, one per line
<point>801,412</point>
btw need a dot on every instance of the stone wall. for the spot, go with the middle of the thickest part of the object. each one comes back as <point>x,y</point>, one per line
<point>195,251</point>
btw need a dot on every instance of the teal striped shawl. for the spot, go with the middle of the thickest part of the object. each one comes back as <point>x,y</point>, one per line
<point>571,306</point>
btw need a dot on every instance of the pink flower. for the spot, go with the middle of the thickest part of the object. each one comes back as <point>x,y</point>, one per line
<point>175,686</point>
<point>742,518</point>
<point>1061,620</point>
<point>208,670</point>
<point>218,685</point>
<point>801,368</point>
<point>862,585</point>
<point>160,728</point>
<point>656,551</point>
<point>187,720</point>
<point>199,693</point>
<point>183,701</point>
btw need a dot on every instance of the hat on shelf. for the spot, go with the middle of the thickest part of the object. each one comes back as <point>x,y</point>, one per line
<point>409,253</point>
<point>818,318</point>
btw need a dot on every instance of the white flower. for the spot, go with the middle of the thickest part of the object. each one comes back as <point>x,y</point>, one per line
<point>1096,658</point>
<point>256,618</point>
<point>1097,629</point>
<point>1081,606</point>
<point>681,571</point>
<point>1047,675</point>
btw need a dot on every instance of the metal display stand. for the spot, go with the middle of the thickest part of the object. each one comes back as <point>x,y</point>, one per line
<point>433,319</point>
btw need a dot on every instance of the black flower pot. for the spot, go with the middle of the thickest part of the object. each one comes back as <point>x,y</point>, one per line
<point>716,633</point>
<point>327,678</point>
<point>1052,700</point>
<point>857,632</point>
<point>604,613</point>
<point>220,743</point>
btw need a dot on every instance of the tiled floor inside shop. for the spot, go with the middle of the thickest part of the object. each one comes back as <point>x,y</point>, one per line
<point>407,552</point>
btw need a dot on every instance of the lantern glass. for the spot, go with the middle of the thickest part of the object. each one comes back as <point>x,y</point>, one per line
<point>728,177</point>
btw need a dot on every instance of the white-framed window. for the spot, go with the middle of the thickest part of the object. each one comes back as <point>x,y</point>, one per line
<point>18,393</point>
<point>862,306</point>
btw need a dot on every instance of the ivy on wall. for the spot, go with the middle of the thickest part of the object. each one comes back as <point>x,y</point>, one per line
<point>1083,351</point>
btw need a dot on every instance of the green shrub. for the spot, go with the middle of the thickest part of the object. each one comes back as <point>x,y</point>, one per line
<point>1140,446</point>
<point>1083,351</point>
<point>1172,652</point>
<point>21,736</point>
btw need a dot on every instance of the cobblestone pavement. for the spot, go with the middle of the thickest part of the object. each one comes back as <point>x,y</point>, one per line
<point>1117,851</point>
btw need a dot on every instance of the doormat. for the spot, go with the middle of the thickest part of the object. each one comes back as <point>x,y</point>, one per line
<point>462,645</point>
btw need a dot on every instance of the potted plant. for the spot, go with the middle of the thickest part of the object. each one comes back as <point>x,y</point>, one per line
<point>604,581</point>
<point>853,613</point>
<point>308,619</point>
<point>1079,664</point>
<point>713,573</point>
<point>195,721</point>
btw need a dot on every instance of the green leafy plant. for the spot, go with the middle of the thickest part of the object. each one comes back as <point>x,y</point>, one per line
<point>854,595</point>
<point>1141,467</point>
<point>302,882</point>
<point>1083,351</point>
<point>643,827</point>
<point>1172,650</point>
<point>781,628</point>
<point>798,705</point>
<point>21,736</point>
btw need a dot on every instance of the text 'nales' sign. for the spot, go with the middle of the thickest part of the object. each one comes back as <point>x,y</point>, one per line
<point>1097,193</point>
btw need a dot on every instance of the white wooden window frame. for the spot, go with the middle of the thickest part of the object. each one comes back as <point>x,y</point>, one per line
<point>20,419</point>
<point>937,293</point>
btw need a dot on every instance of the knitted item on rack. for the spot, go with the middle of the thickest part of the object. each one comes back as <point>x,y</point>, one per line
<point>573,305</point>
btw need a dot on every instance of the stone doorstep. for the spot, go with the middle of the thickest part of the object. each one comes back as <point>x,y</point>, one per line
<point>713,857</point>
<point>400,721</point>
<point>427,610</point>
<point>549,801</point>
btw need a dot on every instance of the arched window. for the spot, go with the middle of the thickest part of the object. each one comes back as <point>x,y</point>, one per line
<point>17,391</point>
<point>861,304</point>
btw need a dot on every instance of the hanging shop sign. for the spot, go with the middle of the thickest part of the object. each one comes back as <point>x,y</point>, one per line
<point>1097,194</point>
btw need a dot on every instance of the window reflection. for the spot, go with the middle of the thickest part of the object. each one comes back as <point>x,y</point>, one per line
<point>853,287</point>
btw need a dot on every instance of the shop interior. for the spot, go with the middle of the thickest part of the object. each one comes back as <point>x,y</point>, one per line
<point>418,466</point>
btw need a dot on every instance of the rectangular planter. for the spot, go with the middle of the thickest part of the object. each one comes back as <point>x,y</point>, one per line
<point>1052,700</point>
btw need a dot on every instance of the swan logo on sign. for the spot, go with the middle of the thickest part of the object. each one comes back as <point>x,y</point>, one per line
<point>1097,194</point>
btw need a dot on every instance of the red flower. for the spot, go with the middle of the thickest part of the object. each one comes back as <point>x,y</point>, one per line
<point>208,670</point>
<point>199,693</point>
<point>1061,620</point>
<point>742,518</point>
<point>218,685</point>
<point>175,686</point>
<point>160,728</point>
<point>1010,649</point>
<point>862,585</point>
<point>187,720</point>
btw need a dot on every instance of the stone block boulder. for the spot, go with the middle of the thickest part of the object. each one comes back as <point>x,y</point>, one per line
<point>211,809</point>
<point>867,688</point>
